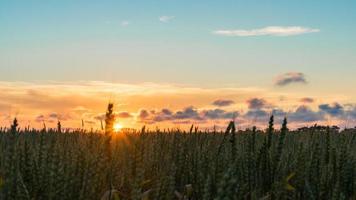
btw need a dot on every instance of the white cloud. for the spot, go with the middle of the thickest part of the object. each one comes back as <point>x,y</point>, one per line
<point>124,23</point>
<point>165,19</point>
<point>269,30</point>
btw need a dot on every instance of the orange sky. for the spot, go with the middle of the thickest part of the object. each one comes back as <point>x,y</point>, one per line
<point>162,105</point>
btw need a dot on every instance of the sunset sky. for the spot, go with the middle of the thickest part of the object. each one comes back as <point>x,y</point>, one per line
<point>174,63</point>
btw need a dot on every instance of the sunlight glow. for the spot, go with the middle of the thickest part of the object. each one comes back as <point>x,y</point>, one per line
<point>117,127</point>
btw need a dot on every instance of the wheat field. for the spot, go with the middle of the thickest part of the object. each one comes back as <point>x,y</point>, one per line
<point>313,163</point>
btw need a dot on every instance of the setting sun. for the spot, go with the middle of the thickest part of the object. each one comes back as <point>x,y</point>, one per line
<point>117,127</point>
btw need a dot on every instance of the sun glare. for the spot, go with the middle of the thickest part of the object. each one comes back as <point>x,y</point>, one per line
<point>117,127</point>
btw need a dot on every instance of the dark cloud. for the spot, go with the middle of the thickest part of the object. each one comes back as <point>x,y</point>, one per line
<point>256,103</point>
<point>259,112</point>
<point>166,111</point>
<point>305,114</point>
<point>262,116</point>
<point>223,102</point>
<point>143,114</point>
<point>256,114</point>
<point>306,100</point>
<point>188,113</point>
<point>164,115</point>
<point>279,113</point>
<point>301,114</point>
<point>289,78</point>
<point>219,114</point>
<point>333,110</point>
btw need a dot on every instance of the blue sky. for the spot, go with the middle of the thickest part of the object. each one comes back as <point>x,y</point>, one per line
<point>78,38</point>
<point>301,48</point>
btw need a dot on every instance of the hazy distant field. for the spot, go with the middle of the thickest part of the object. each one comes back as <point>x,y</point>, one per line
<point>316,163</point>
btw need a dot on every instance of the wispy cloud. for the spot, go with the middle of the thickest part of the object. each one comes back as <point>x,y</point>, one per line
<point>289,78</point>
<point>165,18</point>
<point>124,23</point>
<point>269,30</point>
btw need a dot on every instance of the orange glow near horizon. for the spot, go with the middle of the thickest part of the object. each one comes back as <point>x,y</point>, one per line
<point>164,105</point>
<point>117,127</point>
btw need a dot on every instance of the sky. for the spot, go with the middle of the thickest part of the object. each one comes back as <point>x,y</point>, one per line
<point>174,63</point>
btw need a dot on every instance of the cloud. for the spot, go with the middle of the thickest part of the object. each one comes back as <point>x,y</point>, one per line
<point>351,113</point>
<point>187,113</point>
<point>333,110</point>
<point>306,100</point>
<point>124,23</point>
<point>52,117</point>
<point>256,103</point>
<point>165,19</point>
<point>305,114</point>
<point>269,30</point>
<point>256,114</point>
<point>166,111</point>
<point>289,78</point>
<point>123,115</point>
<point>279,113</point>
<point>190,114</point>
<point>223,102</point>
<point>261,116</point>
<point>27,100</point>
<point>143,114</point>
<point>164,115</point>
<point>219,114</point>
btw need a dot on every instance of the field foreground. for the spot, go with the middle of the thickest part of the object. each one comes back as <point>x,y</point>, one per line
<point>314,163</point>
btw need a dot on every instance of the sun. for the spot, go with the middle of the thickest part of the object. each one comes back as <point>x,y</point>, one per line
<point>117,127</point>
